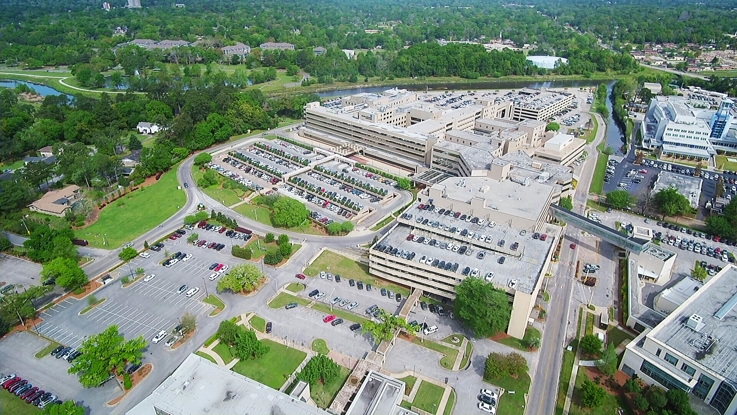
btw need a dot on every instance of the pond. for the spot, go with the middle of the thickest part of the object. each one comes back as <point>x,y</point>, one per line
<point>42,90</point>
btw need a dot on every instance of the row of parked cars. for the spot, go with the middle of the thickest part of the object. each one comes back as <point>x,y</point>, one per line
<point>25,390</point>
<point>237,164</point>
<point>179,256</point>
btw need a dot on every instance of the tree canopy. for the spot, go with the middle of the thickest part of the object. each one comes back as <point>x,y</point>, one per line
<point>481,307</point>
<point>64,408</point>
<point>320,368</point>
<point>104,354</point>
<point>66,273</point>
<point>241,278</point>
<point>46,244</point>
<point>619,199</point>
<point>128,253</point>
<point>288,212</point>
<point>386,327</point>
<point>671,203</point>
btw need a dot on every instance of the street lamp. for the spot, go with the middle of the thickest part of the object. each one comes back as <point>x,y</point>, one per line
<point>26,226</point>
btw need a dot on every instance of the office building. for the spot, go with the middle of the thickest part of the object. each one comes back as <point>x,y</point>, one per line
<point>379,395</point>
<point>688,186</point>
<point>695,347</point>
<point>479,227</point>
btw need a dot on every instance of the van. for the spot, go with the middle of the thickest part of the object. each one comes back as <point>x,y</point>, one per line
<point>430,330</point>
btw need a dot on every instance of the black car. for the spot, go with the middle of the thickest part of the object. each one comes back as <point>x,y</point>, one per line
<point>62,352</point>
<point>315,292</point>
<point>186,186</point>
<point>355,327</point>
<point>368,287</point>
<point>351,282</point>
<point>383,292</point>
<point>268,327</point>
<point>423,305</point>
<point>132,368</point>
<point>433,308</point>
<point>399,297</point>
<point>57,350</point>
<point>359,284</point>
<point>213,266</point>
<point>290,306</point>
<point>337,278</point>
<point>466,271</point>
<point>337,321</point>
<point>487,399</point>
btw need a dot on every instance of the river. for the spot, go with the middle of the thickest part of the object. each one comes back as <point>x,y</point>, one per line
<point>615,131</point>
<point>40,89</point>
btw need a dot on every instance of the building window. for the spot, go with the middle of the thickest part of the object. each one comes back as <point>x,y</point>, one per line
<point>703,386</point>
<point>658,353</point>
<point>688,369</point>
<point>660,376</point>
<point>671,359</point>
<point>723,397</point>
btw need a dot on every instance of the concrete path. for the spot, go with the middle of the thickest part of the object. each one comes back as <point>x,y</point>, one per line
<point>208,351</point>
<point>461,354</point>
<point>574,373</point>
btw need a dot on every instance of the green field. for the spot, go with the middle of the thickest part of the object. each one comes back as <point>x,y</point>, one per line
<point>449,404</point>
<point>410,383</point>
<point>206,356</point>
<point>382,223</point>
<point>262,215</point>
<point>323,395</point>
<point>46,350</point>
<point>428,397</point>
<point>223,350</point>
<point>283,299</point>
<point>11,404</point>
<point>227,197</point>
<point>12,166</point>
<point>258,323</point>
<point>345,267</point>
<point>135,213</point>
<point>723,163</point>
<point>518,344</point>
<point>212,299</point>
<point>591,135</point>
<point>610,405</point>
<point>320,346</point>
<point>514,403</point>
<point>597,182</point>
<point>273,368</point>
<point>617,336</point>
<point>295,287</point>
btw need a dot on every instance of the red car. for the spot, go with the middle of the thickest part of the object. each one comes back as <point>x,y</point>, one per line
<point>543,237</point>
<point>300,276</point>
<point>573,246</point>
<point>172,237</point>
<point>218,268</point>
<point>643,171</point>
<point>329,318</point>
<point>222,230</point>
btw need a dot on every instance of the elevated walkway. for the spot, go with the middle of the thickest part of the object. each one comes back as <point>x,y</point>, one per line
<point>636,245</point>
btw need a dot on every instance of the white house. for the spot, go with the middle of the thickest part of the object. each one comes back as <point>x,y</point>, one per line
<point>148,128</point>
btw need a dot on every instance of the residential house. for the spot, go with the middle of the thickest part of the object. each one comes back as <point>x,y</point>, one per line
<point>276,46</point>
<point>133,159</point>
<point>148,128</point>
<point>34,159</point>
<point>238,49</point>
<point>47,151</point>
<point>318,51</point>
<point>57,202</point>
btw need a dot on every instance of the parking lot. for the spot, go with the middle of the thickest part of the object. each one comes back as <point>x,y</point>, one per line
<point>19,272</point>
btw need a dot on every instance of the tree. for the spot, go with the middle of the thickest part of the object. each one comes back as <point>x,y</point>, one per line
<point>619,199</point>
<point>590,345</point>
<point>719,225</point>
<point>699,273</point>
<point>288,212</point>
<point>608,361</point>
<point>134,143</point>
<point>656,397</point>
<point>19,305</point>
<point>273,257</point>
<point>242,278</point>
<point>639,156</point>
<point>640,402</point>
<point>404,183</point>
<point>319,369</point>
<point>494,366</point>
<point>248,346</point>
<point>65,408</point>
<point>553,126</point>
<point>516,365</point>
<point>386,327</point>
<point>45,244</point>
<point>719,191</point>
<point>269,238</point>
<point>566,202</point>
<point>202,159</point>
<point>633,385</point>
<point>285,250</point>
<point>227,331</point>
<point>347,226</point>
<point>105,354</point>
<point>190,220</point>
<point>592,396</point>
<point>678,400</point>
<point>127,254</point>
<point>671,203</point>
<point>283,239</point>
<point>5,243</point>
<point>481,307</point>
<point>66,272</point>
<point>210,178</point>
<point>334,228</point>
<point>189,323</point>
<point>697,170</point>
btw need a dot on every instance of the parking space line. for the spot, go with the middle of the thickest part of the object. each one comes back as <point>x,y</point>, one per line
<point>122,317</point>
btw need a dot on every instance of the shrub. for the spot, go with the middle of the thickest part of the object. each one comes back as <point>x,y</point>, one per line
<point>283,239</point>
<point>592,396</point>
<point>239,252</point>
<point>125,280</point>
<point>494,367</point>
<point>640,402</point>
<point>285,249</point>
<point>91,300</point>
<point>590,344</point>
<point>633,385</point>
<point>273,257</point>
<point>127,382</point>
<point>269,238</point>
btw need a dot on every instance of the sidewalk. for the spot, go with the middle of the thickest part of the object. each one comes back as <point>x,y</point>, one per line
<point>574,373</point>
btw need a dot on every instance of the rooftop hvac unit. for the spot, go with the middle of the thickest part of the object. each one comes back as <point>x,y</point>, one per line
<point>695,322</point>
<point>524,181</point>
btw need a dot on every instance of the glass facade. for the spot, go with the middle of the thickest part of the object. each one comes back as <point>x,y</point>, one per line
<point>723,397</point>
<point>703,386</point>
<point>660,376</point>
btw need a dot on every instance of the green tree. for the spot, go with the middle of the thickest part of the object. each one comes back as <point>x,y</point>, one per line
<point>699,273</point>
<point>285,250</point>
<point>553,126</point>
<point>273,257</point>
<point>591,345</point>
<point>719,225</point>
<point>19,304</point>
<point>656,397</point>
<point>202,159</point>
<point>5,243</point>
<point>404,183</point>
<point>189,323</point>
<point>719,192</point>
<point>619,199</point>
<point>64,408</point>
<point>45,244</point>
<point>481,307</point>
<point>633,385</point>
<point>607,363</point>
<point>671,203</point>
<point>386,327</point>
<point>248,346</point>
<point>127,254</point>
<point>640,402</point>
<point>134,143</point>
<point>190,220</point>
<point>227,331</point>
<point>283,239</point>
<point>105,354</point>
<point>592,396</point>
<point>319,369</point>
<point>678,400</point>
<point>66,272</point>
<point>269,238</point>
<point>210,178</point>
<point>241,278</point>
<point>200,216</point>
<point>516,365</point>
<point>335,228</point>
<point>494,367</point>
<point>288,212</point>
<point>566,202</point>
<point>347,226</point>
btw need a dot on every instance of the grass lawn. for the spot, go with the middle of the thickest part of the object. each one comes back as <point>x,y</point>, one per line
<point>212,299</point>
<point>259,248</point>
<point>723,163</point>
<point>593,205</point>
<point>597,182</point>
<point>206,356</point>
<point>345,315</point>
<point>449,404</point>
<point>382,223</point>
<point>518,344</point>
<point>11,404</point>
<point>591,135</point>
<point>450,353</point>
<point>347,268</point>
<point>610,405</point>
<point>323,395</point>
<point>283,299</point>
<point>514,403</point>
<point>273,368</point>
<point>91,306</point>
<point>211,339</point>
<point>410,384</point>
<point>589,324</point>
<point>228,197</point>
<point>428,397</point>
<point>12,166</point>
<point>258,323</point>
<point>295,287</point>
<point>320,346</point>
<point>46,350</point>
<point>565,378</point>
<point>460,338</point>
<point>261,214</point>
<point>135,213</point>
<point>617,336</point>
<point>467,355</point>
<point>223,350</point>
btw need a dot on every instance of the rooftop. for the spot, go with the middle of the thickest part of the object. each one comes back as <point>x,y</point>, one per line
<point>682,290</point>
<point>379,394</point>
<point>688,186</point>
<point>658,252</point>
<point>709,338</point>
<point>200,387</point>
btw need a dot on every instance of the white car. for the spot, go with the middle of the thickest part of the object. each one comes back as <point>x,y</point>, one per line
<point>213,276</point>
<point>323,275</point>
<point>157,338</point>
<point>320,295</point>
<point>487,408</point>
<point>224,268</point>
<point>490,393</point>
<point>144,255</point>
<point>352,305</point>
<point>148,278</point>
<point>187,257</point>
<point>192,291</point>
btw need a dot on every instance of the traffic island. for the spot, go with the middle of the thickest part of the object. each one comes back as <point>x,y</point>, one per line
<point>136,378</point>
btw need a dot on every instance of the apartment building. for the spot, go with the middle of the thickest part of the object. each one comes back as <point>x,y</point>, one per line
<point>276,46</point>
<point>238,49</point>
<point>473,227</point>
<point>695,347</point>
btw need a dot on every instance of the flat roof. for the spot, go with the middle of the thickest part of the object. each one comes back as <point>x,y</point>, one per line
<point>508,197</point>
<point>199,387</point>
<point>559,139</point>
<point>688,186</point>
<point>658,252</point>
<point>379,394</point>
<point>714,345</point>
<point>682,290</point>
<point>535,169</point>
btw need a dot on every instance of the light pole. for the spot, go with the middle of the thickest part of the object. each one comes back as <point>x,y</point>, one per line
<point>26,226</point>
<point>130,269</point>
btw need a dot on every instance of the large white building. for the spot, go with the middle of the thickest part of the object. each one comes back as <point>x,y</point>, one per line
<point>695,347</point>
<point>677,127</point>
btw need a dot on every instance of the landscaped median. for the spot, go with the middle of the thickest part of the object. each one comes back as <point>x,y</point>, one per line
<point>93,302</point>
<point>47,350</point>
<point>213,300</point>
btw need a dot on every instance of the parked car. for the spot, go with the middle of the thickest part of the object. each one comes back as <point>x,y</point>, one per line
<point>268,327</point>
<point>159,336</point>
<point>329,318</point>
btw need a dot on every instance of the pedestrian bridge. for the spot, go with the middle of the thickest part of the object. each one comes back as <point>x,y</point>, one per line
<point>636,245</point>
